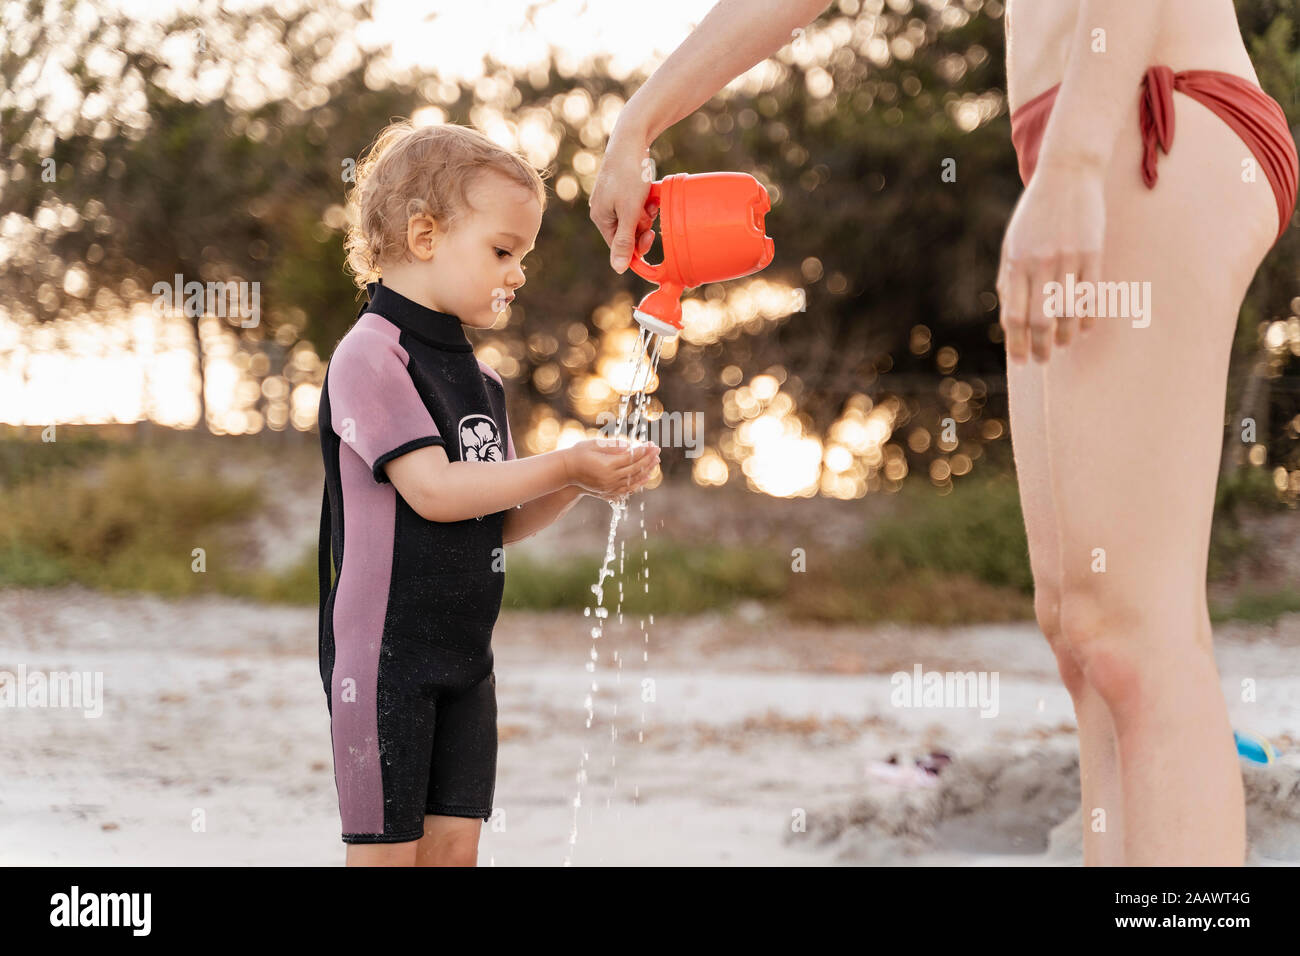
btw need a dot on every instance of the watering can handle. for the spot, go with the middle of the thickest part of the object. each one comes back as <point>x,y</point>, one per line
<point>652,272</point>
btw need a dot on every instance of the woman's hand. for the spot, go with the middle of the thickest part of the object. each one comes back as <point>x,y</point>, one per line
<point>1056,229</point>
<point>618,198</point>
<point>730,40</point>
<point>610,468</point>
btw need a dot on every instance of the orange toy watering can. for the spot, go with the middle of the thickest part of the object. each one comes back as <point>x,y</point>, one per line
<point>712,229</point>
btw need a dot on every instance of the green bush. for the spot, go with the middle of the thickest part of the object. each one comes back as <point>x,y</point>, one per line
<point>122,517</point>
<point>128,521</point>
<point>683,579</point>
<point>1259,606</point>
<point>1248,488</point>
<point>977,529</point>
<point>25,459</point>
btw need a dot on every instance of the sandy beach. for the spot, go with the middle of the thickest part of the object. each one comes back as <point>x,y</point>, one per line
<point>755,749</point>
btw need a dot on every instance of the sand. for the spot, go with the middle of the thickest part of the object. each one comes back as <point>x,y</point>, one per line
<point>213,743</point>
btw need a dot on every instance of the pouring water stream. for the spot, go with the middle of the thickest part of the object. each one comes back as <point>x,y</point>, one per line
<point>648,344</point>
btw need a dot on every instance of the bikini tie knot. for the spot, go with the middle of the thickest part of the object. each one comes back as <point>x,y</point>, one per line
<point>1157,117</point>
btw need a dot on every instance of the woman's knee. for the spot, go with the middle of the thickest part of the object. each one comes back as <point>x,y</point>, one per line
<point>1107,643</point>
<point>1047,610</point>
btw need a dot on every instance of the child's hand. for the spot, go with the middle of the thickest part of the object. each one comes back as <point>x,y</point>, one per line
<point>610,468</point>
<point>637,483</point>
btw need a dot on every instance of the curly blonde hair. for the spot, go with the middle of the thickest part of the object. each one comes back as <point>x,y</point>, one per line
<point>412,170</point>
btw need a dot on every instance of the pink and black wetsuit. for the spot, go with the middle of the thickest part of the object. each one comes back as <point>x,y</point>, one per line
<point>405,632</point>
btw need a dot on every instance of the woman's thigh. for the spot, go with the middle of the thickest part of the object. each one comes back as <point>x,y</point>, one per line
<point>1135,405</point>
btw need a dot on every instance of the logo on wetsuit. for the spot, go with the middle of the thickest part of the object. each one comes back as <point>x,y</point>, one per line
<point>479,439</point>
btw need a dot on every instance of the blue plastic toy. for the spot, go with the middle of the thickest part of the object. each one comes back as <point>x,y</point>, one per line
<point>1254,747</point>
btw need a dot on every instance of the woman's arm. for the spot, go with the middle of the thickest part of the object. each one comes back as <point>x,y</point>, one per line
<point>1059,223</point>
<point>524,521</point>
<point>734,36</point>
<point>1100,87</point>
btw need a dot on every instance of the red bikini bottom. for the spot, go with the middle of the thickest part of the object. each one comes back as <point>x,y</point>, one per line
<point>1251,113</point>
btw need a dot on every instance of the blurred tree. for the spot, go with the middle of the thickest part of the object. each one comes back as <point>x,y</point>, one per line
<point>1264,376</point>
<point>883,140</point>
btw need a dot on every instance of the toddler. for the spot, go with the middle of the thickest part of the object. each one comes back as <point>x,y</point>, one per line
<point>423,490</point>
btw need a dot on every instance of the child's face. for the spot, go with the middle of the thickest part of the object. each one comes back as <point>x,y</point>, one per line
<point>476,267</point>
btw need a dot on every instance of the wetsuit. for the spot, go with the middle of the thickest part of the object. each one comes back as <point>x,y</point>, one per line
<point>405,631</point>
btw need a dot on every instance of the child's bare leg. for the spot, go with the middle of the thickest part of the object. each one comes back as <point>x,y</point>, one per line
<point>448,841</point>
<point>382,854</point>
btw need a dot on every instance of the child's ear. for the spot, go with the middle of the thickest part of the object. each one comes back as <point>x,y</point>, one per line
<point>422,236</point>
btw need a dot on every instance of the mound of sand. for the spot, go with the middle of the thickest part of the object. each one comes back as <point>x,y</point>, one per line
<point>1022,799</point>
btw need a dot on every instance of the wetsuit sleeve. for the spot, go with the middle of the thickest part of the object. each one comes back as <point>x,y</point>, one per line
<point>374,406</point>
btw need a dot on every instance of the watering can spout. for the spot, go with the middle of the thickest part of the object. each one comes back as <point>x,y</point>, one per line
<point>712,230</point>
<point>651,324</point>
<point>661,310</point>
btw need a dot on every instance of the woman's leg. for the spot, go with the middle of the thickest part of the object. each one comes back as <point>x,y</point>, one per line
<point>1103,837</point>
<point>449,841</point>
<point>1136,423</point>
